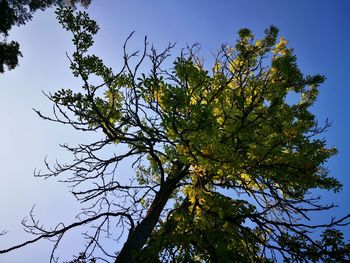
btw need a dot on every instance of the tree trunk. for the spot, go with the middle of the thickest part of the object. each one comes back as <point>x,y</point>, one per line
<point>142,232</point>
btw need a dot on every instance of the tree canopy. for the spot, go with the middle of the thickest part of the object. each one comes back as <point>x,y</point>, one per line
<point>14,12</point>
<point>224,160</point>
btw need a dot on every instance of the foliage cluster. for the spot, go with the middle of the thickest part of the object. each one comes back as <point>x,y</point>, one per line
<point>15,12</point>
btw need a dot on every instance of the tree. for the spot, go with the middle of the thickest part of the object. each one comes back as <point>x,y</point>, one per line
<point>224,163</point>
<point>14,12</point>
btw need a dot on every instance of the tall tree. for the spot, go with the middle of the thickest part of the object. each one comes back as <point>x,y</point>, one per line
<point>224,163</point>
<point>19,12</point>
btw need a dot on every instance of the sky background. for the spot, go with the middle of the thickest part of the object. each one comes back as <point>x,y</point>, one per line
<point>318,30</point>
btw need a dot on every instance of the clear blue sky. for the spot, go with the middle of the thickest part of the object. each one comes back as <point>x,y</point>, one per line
<point>318,30</point>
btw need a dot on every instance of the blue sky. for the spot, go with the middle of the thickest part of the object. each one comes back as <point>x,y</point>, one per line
<point>318,30</point>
